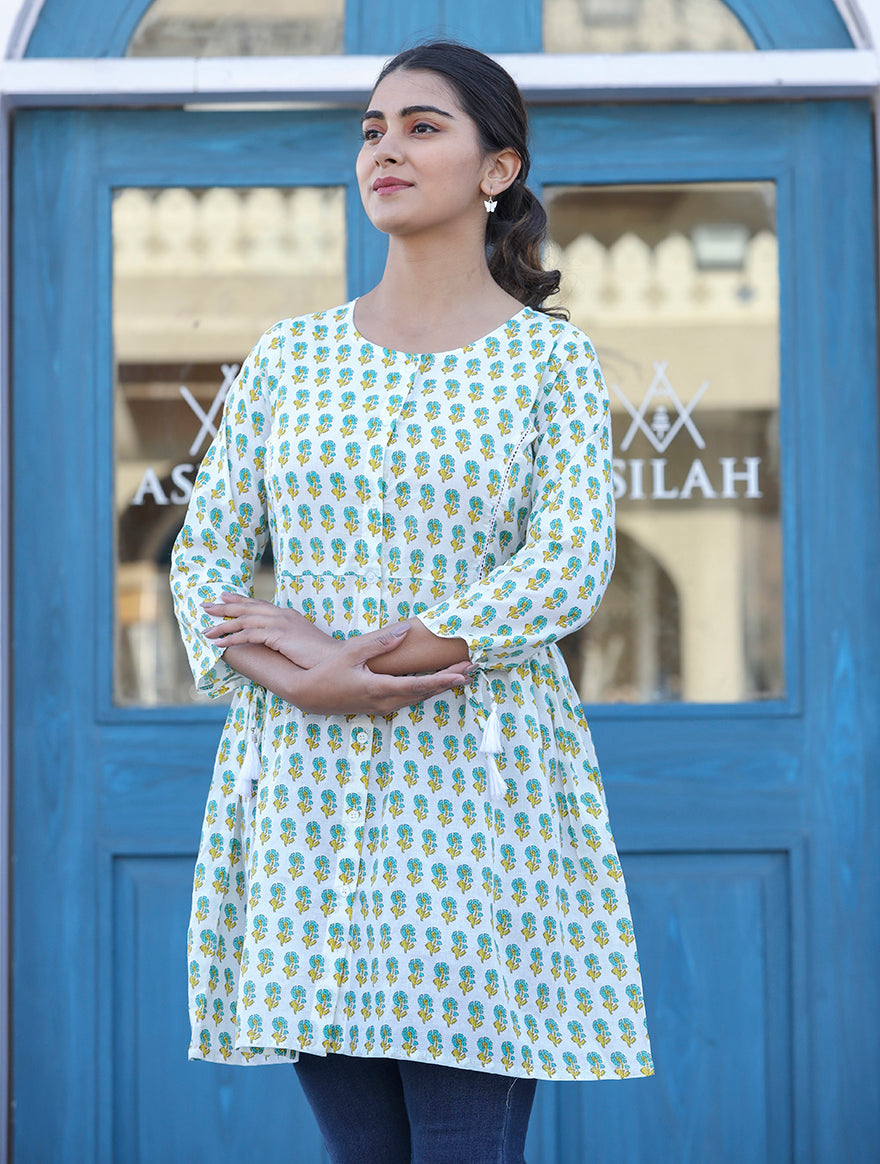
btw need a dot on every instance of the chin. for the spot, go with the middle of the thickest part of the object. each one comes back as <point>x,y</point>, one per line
<point>395,224</point>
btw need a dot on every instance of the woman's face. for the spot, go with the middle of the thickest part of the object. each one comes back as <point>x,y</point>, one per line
<point>421,165</point>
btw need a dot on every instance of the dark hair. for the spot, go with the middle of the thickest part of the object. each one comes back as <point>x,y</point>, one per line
<point>490,97</point>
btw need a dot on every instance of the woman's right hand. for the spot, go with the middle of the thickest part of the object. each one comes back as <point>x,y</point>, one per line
<point>343,684</point>
<point>244,621</point>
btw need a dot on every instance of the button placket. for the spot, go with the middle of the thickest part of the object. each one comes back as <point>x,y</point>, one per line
<point>361,736</point>
<point>392,418</point>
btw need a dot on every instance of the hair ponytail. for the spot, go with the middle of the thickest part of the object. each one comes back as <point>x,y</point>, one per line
<point>516,231</point>
<point>515,234</point>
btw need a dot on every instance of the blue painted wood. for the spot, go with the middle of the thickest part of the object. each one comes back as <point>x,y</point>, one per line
<point>83,28</point>
<point>54,946</point>
<point>794,25</point>
<point>832,652</point>
<point>405,23</point>
<point>72,953</point>
<point>720,1023</point>
<point>842,736</point>
<point>745,832</point>
<point>181,1114</point>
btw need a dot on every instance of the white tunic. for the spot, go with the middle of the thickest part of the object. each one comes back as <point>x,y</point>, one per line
<point>369,898</point>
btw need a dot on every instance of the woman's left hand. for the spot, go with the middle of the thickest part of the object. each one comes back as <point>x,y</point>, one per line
<point>249,620</point>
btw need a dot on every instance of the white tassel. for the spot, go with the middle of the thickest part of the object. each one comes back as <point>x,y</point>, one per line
<point>490,746</point>
<point>249,774</point>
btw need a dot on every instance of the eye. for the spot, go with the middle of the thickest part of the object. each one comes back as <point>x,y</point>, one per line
<point>372,134</point>
<point>423,125</point>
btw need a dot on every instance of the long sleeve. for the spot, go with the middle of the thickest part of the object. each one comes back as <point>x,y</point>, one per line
<point>226,526</point>
<point>552,584</point>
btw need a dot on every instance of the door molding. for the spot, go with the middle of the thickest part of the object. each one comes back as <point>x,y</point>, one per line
<point>545,78</point>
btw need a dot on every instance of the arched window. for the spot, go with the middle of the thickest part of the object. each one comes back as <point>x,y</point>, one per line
<point>231,28</point>
<point>642,26</point>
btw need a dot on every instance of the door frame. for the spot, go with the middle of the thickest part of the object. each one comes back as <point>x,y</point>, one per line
<point>771,727</point>
<point>344,81</point>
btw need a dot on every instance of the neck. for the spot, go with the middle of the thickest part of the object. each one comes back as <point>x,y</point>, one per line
<point>431,278</point>
<point>436,293</point>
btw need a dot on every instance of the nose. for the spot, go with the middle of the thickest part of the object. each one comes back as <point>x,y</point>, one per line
<point>388,149</point>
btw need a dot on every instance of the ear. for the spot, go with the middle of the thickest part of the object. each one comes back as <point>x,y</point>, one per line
<point>501,170</point>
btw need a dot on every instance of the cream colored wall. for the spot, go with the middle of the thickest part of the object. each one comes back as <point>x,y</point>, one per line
<point>639,304</point>
<point>199,278</point>
<point>710,590</point>
<point>619,26</point>
<point>209,28</point>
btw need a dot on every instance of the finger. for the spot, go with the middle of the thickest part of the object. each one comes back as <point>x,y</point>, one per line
<point>234,596</point>
<point>410,689</point>
<point>242,637</point>
<point>232,617</point>
<point>389,705</point>
<point>468,670</point>
<point>235,604</point>
<point>429,685</point>
<point>368,646</point>
<point>226,626</point>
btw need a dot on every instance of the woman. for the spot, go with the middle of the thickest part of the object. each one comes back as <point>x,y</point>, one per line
<point>406,880</point>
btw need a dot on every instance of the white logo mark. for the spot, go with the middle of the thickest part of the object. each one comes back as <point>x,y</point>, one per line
<point>660,432</point>
<point>209,428</point>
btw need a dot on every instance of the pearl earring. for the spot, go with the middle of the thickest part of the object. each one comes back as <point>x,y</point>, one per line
<point>490,203</point>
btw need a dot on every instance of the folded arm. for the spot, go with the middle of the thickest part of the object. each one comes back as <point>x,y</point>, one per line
<point>283,652</point>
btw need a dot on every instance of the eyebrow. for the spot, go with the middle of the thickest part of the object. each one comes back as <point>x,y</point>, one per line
<point>407,111</point>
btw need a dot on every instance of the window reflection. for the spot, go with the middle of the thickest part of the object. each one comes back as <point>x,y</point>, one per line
<point>231,28</point>
<point>642,26</point>
<point>678,288</point>
<point>198,275</point>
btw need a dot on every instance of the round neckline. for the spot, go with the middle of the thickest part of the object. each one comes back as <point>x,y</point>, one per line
<point>425,355</point>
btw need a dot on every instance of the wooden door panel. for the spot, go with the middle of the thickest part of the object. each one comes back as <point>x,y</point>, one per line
<point>165,1108</point>
<point>713,927</point>
<point>742,831</point>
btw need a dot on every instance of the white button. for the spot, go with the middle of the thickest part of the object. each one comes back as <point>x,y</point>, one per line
<point>372,576</point>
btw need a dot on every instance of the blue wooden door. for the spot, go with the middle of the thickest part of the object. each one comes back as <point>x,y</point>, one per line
<point>744,828</point>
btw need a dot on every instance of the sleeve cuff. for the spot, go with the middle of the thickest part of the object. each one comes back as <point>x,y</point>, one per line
<point>440,622</point>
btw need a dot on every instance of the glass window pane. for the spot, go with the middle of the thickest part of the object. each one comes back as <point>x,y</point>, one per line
<point>239,28</point>
<point>678,287</point>
<point>198,276</point>
<point>642,26</point>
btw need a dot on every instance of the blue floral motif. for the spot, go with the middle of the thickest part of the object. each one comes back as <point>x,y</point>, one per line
<point>370,879</point>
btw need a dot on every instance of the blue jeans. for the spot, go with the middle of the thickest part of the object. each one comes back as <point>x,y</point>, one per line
<point>390,1111</point>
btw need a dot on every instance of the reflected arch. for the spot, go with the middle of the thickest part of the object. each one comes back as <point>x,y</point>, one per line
<point>630,652</point>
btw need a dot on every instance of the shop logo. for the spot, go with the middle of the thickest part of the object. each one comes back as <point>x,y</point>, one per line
<point>181,475</point>
<point>668,416</point>
<point>662,431</point>
<point>209,428</point>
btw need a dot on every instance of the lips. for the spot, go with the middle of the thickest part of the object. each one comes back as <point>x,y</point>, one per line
<point>390,184</point>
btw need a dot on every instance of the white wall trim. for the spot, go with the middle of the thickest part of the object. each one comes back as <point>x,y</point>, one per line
<point>17,21</point>
<point>544,78</point>
<point>5,638</point>
<point>853,14</point>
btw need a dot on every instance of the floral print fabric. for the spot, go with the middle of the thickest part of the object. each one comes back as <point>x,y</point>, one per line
<point>356,889</point>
